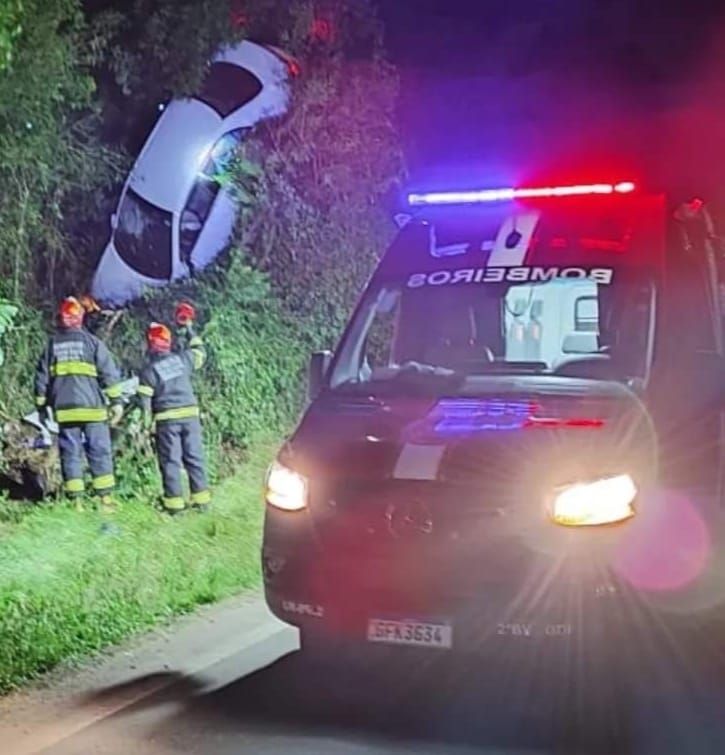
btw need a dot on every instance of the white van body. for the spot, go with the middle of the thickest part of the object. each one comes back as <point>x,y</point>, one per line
<point>552,322</point>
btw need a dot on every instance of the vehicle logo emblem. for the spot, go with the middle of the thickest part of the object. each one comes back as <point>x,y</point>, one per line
<point>409,519</point>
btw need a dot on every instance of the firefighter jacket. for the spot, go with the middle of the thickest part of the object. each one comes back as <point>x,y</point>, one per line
<point>165,382</point>
<point>77,376</point>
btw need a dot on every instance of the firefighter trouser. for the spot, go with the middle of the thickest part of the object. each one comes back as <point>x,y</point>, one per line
<point>179,445</point>
<point>91,440</point>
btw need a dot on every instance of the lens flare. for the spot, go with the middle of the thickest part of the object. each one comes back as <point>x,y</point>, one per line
<point>668,549</point>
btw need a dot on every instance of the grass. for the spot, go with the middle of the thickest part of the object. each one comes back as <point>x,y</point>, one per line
<point>72,583</point>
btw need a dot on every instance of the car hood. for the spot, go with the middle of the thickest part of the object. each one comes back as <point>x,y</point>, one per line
<point>503,427</point>
<point>174,153</point>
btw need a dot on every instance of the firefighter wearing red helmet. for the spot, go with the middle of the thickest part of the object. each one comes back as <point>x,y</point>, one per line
<point>167,394</point>
<point>77,377</point>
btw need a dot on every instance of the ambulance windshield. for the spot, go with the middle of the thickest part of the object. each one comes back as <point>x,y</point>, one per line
<point>593,325</point>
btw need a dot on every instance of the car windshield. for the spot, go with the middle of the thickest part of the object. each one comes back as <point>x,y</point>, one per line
<point>228,87</point>
<point>565,327</point>
<point>143,237</point>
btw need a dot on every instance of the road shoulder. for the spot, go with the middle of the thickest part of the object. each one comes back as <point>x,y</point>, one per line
<point>69,700</point>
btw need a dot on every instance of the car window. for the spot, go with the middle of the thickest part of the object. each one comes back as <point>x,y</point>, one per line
<point>205,191</point>
<point>195,213</point>
<point>227,87</point>
<point>143,237</point>
<point>222,153</point>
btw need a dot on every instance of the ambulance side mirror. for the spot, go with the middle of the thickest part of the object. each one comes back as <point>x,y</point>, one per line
<point>319,365</point>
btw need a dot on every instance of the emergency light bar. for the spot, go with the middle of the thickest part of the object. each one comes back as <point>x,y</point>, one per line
<point>503,195</point>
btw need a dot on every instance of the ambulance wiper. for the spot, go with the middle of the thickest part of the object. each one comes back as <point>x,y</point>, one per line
<point>503,367</point>
<point>419,369</point>
<point>411,375</point>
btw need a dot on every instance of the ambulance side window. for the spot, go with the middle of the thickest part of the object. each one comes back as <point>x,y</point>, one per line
<point>380,337</point>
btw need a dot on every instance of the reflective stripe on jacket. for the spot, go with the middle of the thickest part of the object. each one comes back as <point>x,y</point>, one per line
<point>76,375</point>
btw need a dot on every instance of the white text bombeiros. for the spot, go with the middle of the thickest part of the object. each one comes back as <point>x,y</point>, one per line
<point>600,275</point>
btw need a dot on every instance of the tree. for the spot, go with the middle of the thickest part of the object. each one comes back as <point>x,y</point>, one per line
<point>50,158</point>
<point>317,222</point>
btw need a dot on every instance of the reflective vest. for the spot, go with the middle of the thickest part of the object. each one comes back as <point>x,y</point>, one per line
<point>165,383</point>
<point>77,376</point>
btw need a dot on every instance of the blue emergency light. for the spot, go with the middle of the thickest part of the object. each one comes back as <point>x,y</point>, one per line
<point>503,195</point>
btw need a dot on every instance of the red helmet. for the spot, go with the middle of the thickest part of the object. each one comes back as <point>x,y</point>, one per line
<point>70,313</point>
<point>185,313</point>
<point>158,337</point>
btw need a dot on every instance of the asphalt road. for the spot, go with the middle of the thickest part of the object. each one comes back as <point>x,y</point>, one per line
<point>264,697</point>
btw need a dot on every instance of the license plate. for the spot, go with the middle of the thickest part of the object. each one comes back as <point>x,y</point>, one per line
<point>418,633</point>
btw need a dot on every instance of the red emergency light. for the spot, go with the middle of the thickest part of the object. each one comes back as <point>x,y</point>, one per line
<point>503,195</point>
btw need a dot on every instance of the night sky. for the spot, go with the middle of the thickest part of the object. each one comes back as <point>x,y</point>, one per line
<point>511,91</point>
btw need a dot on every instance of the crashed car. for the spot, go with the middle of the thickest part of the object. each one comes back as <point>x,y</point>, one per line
<point>174,216</point>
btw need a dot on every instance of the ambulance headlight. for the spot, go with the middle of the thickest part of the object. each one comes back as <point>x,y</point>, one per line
<point>586,504</point>
<point>286,489</point>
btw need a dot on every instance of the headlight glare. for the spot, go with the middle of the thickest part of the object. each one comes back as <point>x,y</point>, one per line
<point>286,489</point>
<point>588,504</point>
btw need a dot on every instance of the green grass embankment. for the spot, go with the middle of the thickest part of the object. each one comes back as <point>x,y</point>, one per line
<point>72,583</point>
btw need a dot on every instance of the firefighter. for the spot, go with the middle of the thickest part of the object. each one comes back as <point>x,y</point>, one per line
<point>76,377</point>
<point>168,399</point>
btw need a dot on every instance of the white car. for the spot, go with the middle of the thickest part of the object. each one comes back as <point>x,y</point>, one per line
<point>173,218</point>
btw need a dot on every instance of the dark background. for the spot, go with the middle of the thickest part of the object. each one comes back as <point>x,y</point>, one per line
<point>502,92</point>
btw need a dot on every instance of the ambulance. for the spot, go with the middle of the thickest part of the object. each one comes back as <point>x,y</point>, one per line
<point>518,441</point>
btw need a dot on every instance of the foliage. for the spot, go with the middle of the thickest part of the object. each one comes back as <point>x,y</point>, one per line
<point>50,158</point>
<point>7,314</point>
<point>23,342</point>
<point>10,29</point>
<point>317,225</point>
<point>175,37</point>
<point>72,584</point>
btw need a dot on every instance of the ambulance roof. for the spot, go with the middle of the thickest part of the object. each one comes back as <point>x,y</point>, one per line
<point>615,231</point>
